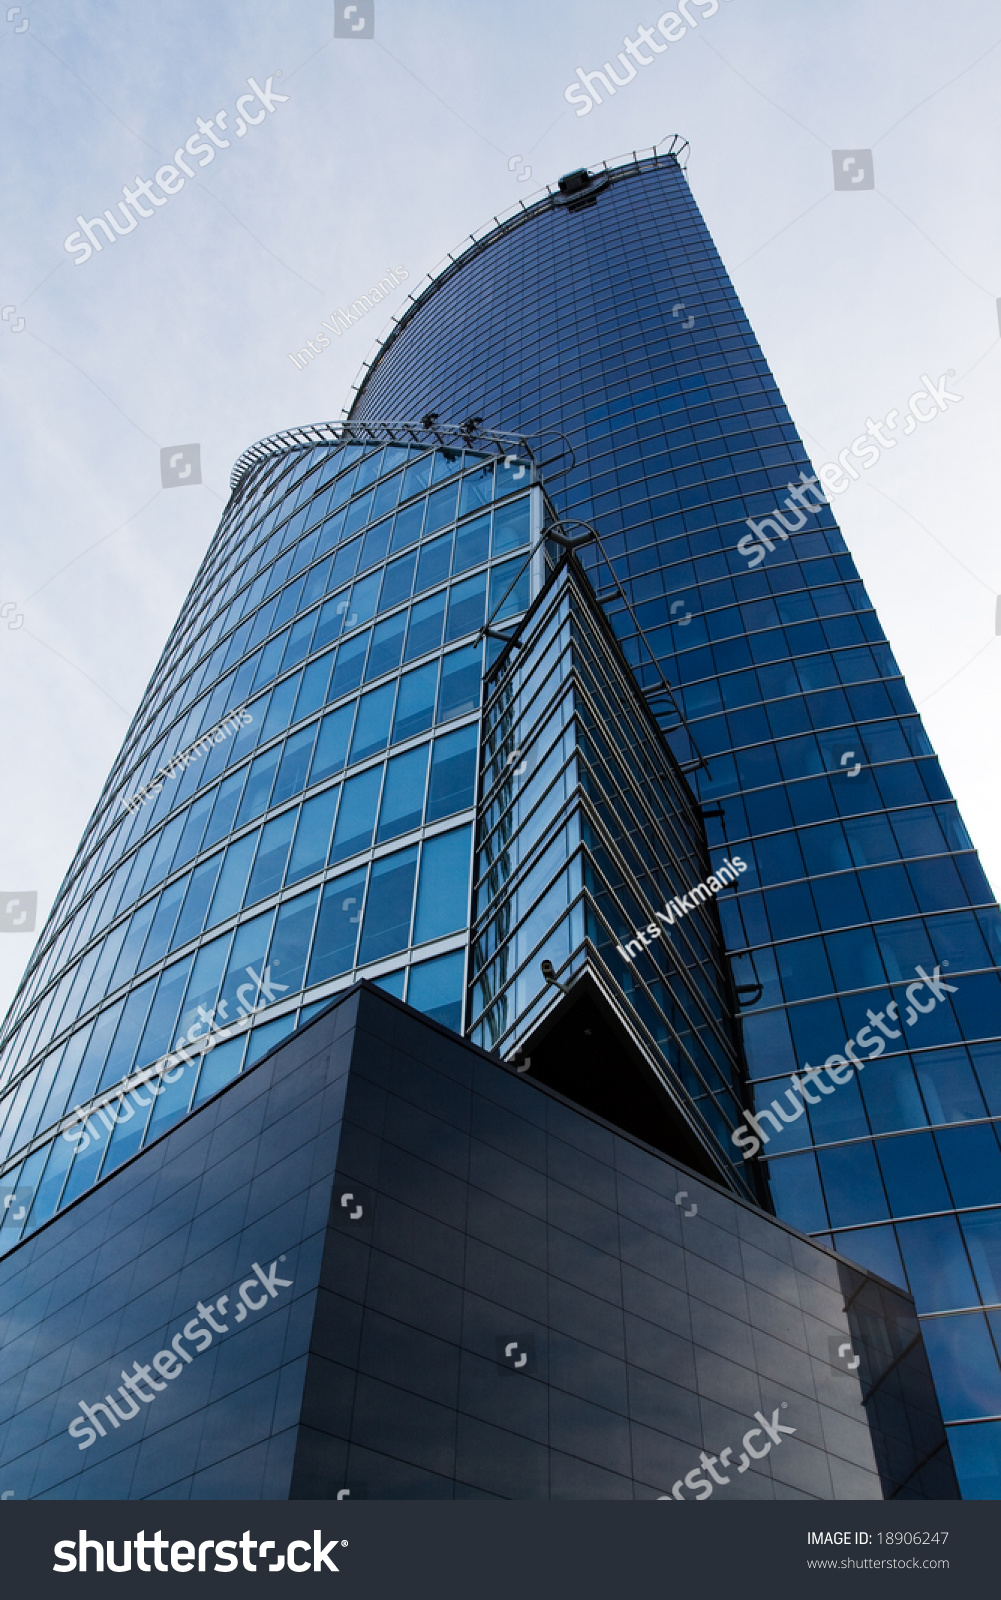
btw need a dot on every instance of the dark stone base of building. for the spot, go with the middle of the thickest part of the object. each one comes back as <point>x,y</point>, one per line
<point>382,1265</point>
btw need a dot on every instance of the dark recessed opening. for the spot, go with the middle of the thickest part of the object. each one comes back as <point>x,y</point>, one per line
<point>583,1051</point>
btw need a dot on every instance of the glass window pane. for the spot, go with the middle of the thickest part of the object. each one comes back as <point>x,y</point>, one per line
<point>294,765</point>
<point>465,606</point>
<point>123,1049</point>
<point>397,581</point>
<point>332,744</point>
<point>224,810</point>
<point>460,683</point>
<point>309,853</point>
<point>403,794</point>
<point>387,645</point>
<point>964,1366</point>
<point>436,988</point>
<point>241,989</point>
<point>163,922</point>
<point>983,1239</point>
<point>280,710</point>
<point>511,524</point>
<point>290,945</point>
<point>434,562</point>
<point>415,703</point>
<point>272,854</point>
<point>441,507</point>
<point>337,927</point>
<point>912,1174</point>
<point>313,691</point>
<point>407,525</point>
<point>350,663</point>
<point>388,905</point>
<point>375,712</point>
<point>228,897</point>
<point>936,1264</point>
<point>443,901</point>
<point>200,887</point>
<point>364,595</point>
<point>356,817</point>
<point>426,619</point>
<point>472,544</point>
<point>220,1067</point>
<point>852,1185</point>
<point>477,488</point>
<point>501,579</point>
<point>258,791</point>
<point>972,1163</point>
<point>453,773</point>
<point>199,1001</point>
<point>375,544</point>
<point>159,1029</point>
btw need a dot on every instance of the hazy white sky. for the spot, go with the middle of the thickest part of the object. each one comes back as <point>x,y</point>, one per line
<point>389,152</point>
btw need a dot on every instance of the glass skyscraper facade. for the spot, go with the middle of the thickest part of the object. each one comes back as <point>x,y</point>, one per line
<point>604,314</point>
<point>305,795</point>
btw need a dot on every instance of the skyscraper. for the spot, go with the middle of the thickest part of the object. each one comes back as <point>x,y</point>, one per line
<point>583,369</point>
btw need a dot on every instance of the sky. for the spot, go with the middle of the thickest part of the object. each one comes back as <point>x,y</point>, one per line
<point>386,151</point>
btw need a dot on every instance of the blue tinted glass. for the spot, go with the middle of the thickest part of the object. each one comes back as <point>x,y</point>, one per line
<point>159,1029</point>
<point>403,794</point>
<point>426,620</point>
<point>272,854</point>
<point>476,489</point>
<point>936,1264</point>
<point>332,743</point>
<point>964,1366</point>
<point>219,1067</point>
<point>364,596</point>
<point>443,899</point>
<point>388,905</point>
<point>397,581</point>
<point>948,1085</point>
<point>416,477</point>
<point>982,1230</point>
<point>913,1174</point>
<point>415,702</point>
<point>197,1016</point>
<point>259,781</point>
<point>472,544</point>
<point>510,589</point>
<point>387,646</point>
<point>453,773</point>
<point>875,1249</point>
<point>407,526</point>
<point>350,663</point>
<point>435,988</point>
<point>375,711</point>
<point>465,606</point>
<point>972,1164</point>
<point>795,1188</point>
<point>199,892</point>
<point>312,839</point>
<point>228,897</point>
<point>460,683</point>
<point>511,525</point>
<point>296,757</point>
<point>241,987</point>
<point>433,563</point>
<point>290,945</point>
<point>851,1184</point>
<point>313,691</point>
<point>392,982</point>
<point>123,1048</point>
<point>356,816</point>
<point>337,927</point>
<point>375,545</point>
<point>227,798</point>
